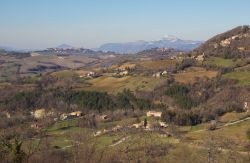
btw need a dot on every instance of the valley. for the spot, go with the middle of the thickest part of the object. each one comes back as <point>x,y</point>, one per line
<point>158,105</point>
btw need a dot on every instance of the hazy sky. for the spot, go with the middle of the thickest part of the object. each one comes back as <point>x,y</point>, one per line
<point>89,23</point>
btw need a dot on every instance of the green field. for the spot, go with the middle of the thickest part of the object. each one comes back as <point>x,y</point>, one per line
<point>243,77</point>
<point>221,62</point>
<point>64,135</point>
<point>235,132</point>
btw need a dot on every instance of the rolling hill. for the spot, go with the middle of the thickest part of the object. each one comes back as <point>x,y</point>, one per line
<point>234,43</point>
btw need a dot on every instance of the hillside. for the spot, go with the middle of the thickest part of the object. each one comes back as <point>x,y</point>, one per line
<point>231,44</point>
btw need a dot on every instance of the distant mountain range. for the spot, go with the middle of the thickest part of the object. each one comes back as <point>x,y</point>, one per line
<point>7,48</point>
<point>129,47</point>
<point>65,46</point>
<point>165,42</point>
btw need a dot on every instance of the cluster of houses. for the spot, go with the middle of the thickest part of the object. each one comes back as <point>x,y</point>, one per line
<point>176,57</point>
<point>105,131</point>
<point>120,73</point>
<point>89,75</point>
<point>139,125</point>
<point>200,57</point>
<point>227,42</point>
<point>197,58</point>
<point>162,73</point>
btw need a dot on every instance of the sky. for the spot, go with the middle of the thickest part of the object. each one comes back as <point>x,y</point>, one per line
<point>90,23</point>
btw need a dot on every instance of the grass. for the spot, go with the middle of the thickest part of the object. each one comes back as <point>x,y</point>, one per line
<point>64,74</point>
<point>60,125</point>
<point>190,75</point>
<point>59,141</point>
<point>124,65</point>
<point>106,140</point>
<point>157,64</point>
<point>193,128</point>
<point>231,117</point>
<point>59,132</point>
<point>123,122</point>
<point>235,132</point>
<point>113,85</point>
<point>4,84</point>
<point>221,62</point>
<point>138,140</point>
<point>32,79</point>
<point>243,77</point>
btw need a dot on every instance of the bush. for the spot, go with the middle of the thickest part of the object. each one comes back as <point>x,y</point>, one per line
<point>248,133</point>
<point>187,62</point>
<point>212,126</point>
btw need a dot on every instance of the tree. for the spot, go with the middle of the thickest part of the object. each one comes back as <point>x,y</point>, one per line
<point>145,122</point>
<point>14,150</point>
<point>180,94</point>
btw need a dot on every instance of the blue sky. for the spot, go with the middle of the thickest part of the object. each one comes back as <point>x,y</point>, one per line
<point>90,23</point>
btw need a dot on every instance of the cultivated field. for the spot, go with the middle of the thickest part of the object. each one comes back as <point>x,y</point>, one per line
<point>191,74</point>
<point>110,84</point>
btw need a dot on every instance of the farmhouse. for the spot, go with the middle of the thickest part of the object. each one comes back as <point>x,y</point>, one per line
<point>157,75</point>
<point>137,125</point>
<point>241,48</point>
<point>36,126</point>
<point>91,74</point>
<point>102,117</point>
<point>163,124</point>
<point>38,114</point>
<point>246,107</point>
<point>7,114</point>
<point>154,114</point>
<point>225,43</point>
<point>81,75</point>
<point>72,115</point>
<point>200,57</point>
<point>122,73</point>
<point>77,113</point>
<point>163,73</point>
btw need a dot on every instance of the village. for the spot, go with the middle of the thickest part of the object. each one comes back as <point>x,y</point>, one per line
<point>150,121</point>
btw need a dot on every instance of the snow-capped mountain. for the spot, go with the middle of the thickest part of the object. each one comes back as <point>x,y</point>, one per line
<point>166,42</point>
<point>65,46</point>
